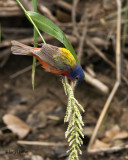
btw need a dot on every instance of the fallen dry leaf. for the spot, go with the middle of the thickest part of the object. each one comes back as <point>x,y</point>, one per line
<point>99,145</point>
<point>16,125</point>
<point>112,131</point>
<point>121,135</point>
<point>115,133</point>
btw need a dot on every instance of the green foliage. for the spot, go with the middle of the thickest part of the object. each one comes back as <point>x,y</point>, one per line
<point>52,29</point>
<point>75,126</point>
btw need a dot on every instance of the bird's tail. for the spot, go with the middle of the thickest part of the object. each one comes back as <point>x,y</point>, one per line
<point>21,49</point>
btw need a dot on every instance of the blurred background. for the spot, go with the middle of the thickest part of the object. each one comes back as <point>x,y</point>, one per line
<point>38,115</point>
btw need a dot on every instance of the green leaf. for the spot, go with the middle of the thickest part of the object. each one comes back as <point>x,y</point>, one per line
<point>52,29</point>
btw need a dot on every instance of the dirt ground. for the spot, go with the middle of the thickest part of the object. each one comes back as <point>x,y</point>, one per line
<point>42,111</point>
<point>39,108</point>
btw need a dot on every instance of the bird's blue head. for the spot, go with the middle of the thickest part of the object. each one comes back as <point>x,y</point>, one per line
<point>77,74</point>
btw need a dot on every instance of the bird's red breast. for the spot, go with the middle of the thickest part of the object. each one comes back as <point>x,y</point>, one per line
<point>50,68</point>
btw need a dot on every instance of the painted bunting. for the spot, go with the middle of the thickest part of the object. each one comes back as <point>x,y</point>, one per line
<point>53,59</point>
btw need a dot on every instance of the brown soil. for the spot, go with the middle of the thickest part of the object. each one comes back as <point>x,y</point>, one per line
<point>48,99</point>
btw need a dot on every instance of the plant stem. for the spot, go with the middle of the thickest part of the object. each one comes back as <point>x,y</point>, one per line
<point>30,20</point>
<point>34,2</point>
<point>35,34</point>
<point>21,6</point>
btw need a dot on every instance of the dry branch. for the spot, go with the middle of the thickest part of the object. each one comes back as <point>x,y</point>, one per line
<point>101,54</point>
<point>83,36</point>
<point>64,5</point>
<point>118,79</point>
<point>41,143</point>
<point>46,12</point>
<point>10,11</point>
<point>96,83</point>
<point>108,150</point>
<point>9,3</point>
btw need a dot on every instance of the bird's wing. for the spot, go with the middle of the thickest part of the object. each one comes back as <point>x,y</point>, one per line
<point>60,58</point>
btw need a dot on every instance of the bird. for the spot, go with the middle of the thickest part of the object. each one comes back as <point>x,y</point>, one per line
<point>53,59</point>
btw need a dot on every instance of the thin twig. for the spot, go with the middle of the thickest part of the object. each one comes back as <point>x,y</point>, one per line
<point>64,5</point>
<point>46,12</point>
<point>102,55</point>
<point>83,36</point>
<point>108,150</point>
<point>41,143</point>
<point>117,83</point>
<point>75,30</point>
<point>90,44</point>
<point>57,96</point>
<point>96,83</point>
<point>23,71</point>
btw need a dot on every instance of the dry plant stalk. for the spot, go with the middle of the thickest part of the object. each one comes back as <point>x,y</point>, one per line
<point>118,79</point>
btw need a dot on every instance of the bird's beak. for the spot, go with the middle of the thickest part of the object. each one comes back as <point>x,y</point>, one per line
<point>75,82</point>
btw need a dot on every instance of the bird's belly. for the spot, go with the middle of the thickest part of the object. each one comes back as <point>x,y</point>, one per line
<point>50,68</point>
